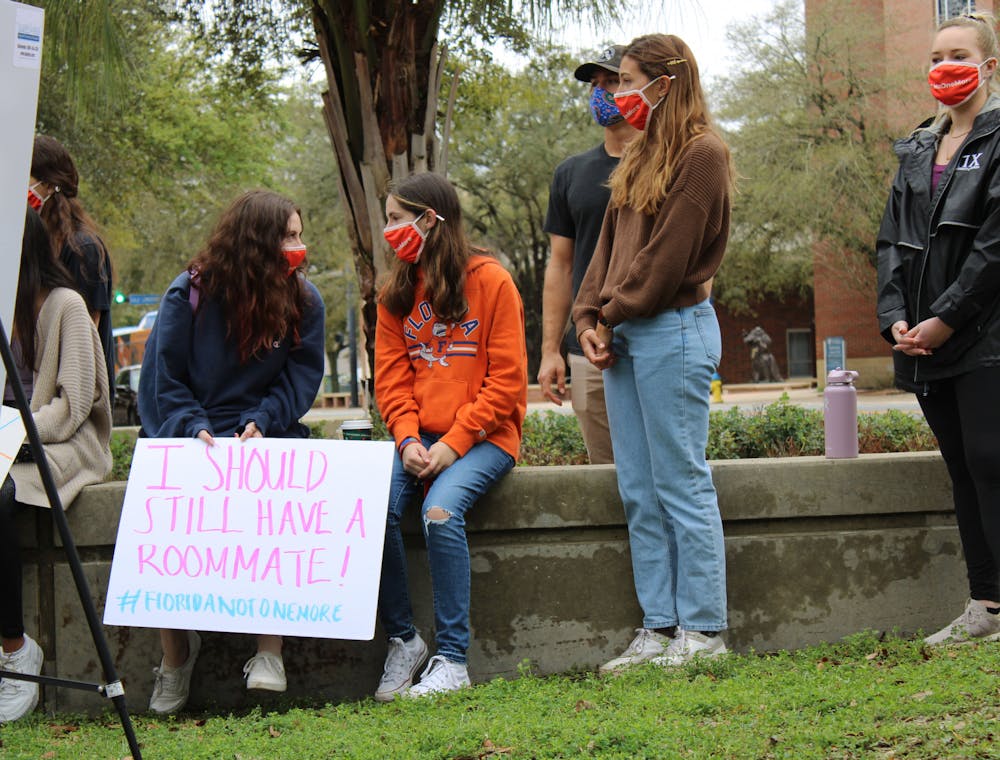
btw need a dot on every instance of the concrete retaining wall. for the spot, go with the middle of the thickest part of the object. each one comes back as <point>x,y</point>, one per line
<point>816,549</point>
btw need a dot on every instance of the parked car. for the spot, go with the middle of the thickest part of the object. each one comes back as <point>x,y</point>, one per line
<point>146,323</point>
<point>130,345</point>
<point>126,407</point>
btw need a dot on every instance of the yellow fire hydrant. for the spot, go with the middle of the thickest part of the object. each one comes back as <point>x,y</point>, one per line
<point>716,388</point>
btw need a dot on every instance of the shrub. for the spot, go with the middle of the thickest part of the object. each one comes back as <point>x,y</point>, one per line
<point>552,438</point>
<point>122,446</point>
<point>894,431</point>
<point>780,429</point>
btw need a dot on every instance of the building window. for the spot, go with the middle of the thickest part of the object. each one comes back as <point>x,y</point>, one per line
<point>801,362</point>
<point>947,9</point>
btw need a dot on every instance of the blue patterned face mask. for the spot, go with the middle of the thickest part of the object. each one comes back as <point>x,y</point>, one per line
<point>603,108</point>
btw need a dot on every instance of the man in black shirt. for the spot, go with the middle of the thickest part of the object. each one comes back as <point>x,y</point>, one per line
<point>577,201</point>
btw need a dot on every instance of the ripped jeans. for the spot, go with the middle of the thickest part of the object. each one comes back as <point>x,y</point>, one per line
<point>455,490</point>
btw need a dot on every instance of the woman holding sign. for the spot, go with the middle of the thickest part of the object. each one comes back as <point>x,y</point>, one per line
<point>237,350</point>
<point>451,384</point>
<point>61,366</point>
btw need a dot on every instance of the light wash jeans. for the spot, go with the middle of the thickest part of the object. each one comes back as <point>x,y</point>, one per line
<point>658,401</point>
<point>455,490</point>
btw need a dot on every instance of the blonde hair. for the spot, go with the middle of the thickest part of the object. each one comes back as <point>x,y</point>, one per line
<point>651,160</point>
<point>984,25</point>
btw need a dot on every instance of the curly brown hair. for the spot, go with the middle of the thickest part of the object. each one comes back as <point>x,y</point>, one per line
<point>242,268</point>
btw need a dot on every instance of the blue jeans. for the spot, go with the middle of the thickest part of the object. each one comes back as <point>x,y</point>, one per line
<point>658,401</point>
<point>455,490</point>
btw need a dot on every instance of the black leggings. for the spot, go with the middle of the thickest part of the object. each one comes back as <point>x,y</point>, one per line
<point>11,601</point>
<point>964,413</point>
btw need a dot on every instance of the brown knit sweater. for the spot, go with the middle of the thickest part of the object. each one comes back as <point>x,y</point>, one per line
<point>69,402</point>
<point>646,264</point>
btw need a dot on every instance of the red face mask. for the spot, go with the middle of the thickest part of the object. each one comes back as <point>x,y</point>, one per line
<point>635,106</point>
<point>954,82</point>
<point>407,239</point>
<point>34,199</point>
<point>294,256</point>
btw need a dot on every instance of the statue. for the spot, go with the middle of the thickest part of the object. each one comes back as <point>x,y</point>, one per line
<point>763,366</point>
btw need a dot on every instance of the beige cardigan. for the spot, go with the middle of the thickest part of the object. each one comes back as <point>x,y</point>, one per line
<point>70,402</point>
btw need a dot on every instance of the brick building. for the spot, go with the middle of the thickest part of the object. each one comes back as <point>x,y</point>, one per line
<point>845,300</point>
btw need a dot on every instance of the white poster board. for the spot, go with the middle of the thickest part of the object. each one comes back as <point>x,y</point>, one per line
<point>11,437</point>
<point>21,29</point>
<point>279,536</point>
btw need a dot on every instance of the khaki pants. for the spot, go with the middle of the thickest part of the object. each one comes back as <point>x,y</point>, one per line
<point>587,397</point>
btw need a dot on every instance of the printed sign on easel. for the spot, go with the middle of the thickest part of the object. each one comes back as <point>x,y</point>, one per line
<point>21,29</point>
<point>279,536</point>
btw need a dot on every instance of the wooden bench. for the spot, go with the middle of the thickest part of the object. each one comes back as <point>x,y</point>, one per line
<point>333,400</point>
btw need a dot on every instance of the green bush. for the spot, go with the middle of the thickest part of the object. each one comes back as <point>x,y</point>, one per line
<point>122,446</point>
<point>894,431</point>
<point>781,429</point>
<point>552,438</point>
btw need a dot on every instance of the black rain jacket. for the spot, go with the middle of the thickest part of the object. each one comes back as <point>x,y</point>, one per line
<point>939,254</point>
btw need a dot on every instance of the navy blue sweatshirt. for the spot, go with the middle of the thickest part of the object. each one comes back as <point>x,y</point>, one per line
<point>192,378</point>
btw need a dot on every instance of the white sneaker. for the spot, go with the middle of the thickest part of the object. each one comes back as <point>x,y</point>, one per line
<point>401,664</point>
<point>18,698</point>
<point>975,623</point>
<point>265,670</point>
<point>646,645</point>
<point>686,645</point>
<point>173,685</point>
<point>440,676</point>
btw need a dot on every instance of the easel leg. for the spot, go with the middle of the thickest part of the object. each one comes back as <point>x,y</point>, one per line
<point>113,689</point>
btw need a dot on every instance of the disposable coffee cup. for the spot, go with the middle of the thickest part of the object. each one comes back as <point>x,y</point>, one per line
<point>356,430</point>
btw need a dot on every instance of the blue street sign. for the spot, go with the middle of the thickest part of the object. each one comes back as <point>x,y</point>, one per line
<point>143,299</point>
<point>835,351</point>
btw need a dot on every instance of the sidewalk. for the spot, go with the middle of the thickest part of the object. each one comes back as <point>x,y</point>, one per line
<point>746,396</point>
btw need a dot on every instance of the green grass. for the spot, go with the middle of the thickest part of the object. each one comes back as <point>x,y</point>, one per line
<point>861,698</point>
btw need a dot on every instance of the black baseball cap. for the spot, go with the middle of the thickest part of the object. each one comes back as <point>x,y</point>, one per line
<point>609,59</point>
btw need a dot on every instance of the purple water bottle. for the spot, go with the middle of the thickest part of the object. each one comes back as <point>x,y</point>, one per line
<point>840,414</point>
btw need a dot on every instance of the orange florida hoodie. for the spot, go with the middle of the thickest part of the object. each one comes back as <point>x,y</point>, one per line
<point>466,380</point>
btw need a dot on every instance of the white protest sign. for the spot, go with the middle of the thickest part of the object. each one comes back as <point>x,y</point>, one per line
<point>279,536</point>
<point>20,62</point>
<point>11,437</point>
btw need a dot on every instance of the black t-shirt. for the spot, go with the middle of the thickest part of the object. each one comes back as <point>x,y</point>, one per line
<point>90,266</point>
<point>578,199</point>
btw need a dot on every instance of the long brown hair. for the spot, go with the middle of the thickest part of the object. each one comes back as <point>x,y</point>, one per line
<point>242,268</point>
<point>62,213</point>
<point>650,161</point>
<point>446,250</point>
<point>40,273</point>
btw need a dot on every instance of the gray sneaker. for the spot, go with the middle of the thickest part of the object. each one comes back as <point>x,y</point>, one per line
<point>441,675</point>
<point>646,645</point>
<point>173,685</point>
<point>18,698</point>
<point>975,623</point>
<point>687,645</point>
<point>265,670</point>
<point>401,665</point>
